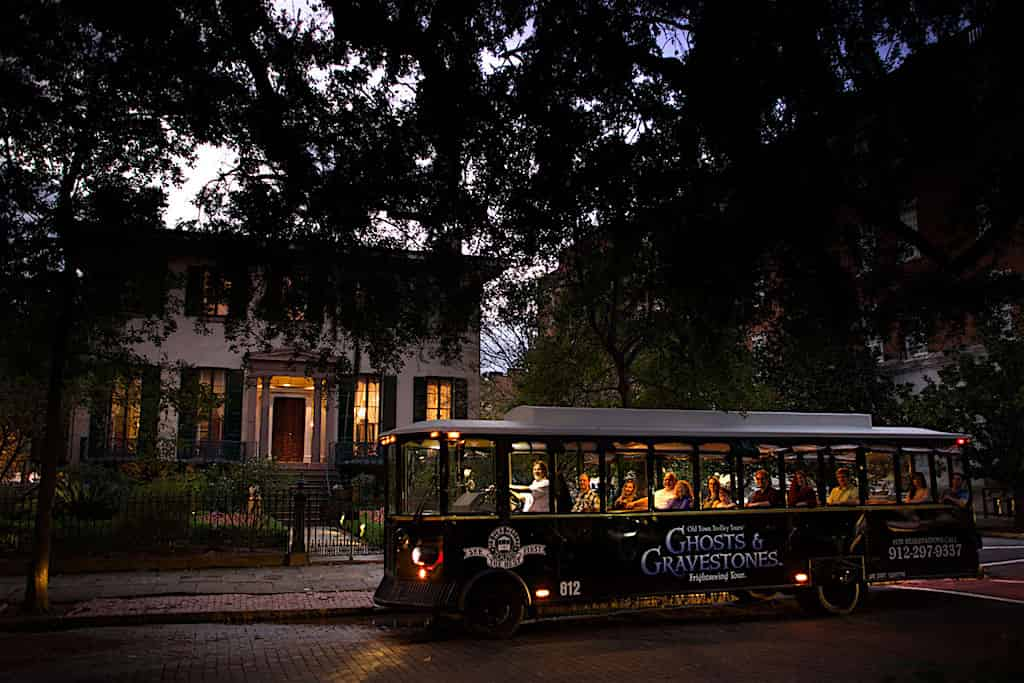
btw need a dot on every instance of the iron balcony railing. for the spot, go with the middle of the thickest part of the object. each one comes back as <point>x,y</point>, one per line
<point>202,451</point>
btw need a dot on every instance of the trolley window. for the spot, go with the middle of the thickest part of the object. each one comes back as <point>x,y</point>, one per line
<point>761,482</point>
<point>673,471</point>
<point>802,468</point>
<point>578,466</point>
<point>626,477</point>
<point>717,473</point>
<point>391,455</point>
<point>420,488</point>
<point>841,476</point>
<point>881,475</point>
<point>917,482</point>
<point>529,478</point>
<point>471,481</point>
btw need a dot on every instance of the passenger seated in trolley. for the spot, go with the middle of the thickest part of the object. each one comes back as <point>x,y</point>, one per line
<point>683,499</point>
<point>918,492</point>
<point>627,500</point>
<point>957,494</point>
<point>765,496</point>
<point>801,493</point>
<point>537,497</point>
<point>588,500</point>
<point>717,497</point>
<point>846,492</point>
<point>664,496</point>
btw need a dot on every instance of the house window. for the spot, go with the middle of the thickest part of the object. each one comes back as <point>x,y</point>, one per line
<point>215,295</point>
<point>439,399</point>
<point>210,418</point>
<point>908,215</point>
<point>366,410</point>
<point>125,411</point>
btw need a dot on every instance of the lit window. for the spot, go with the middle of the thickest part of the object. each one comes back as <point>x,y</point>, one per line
<point>215,295</point>
<point>125,410</point>
<point>439,399</point>
<point>366,410</point>
<point>210,420</point>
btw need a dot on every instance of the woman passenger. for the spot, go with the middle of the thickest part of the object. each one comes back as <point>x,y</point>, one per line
<point>718,498</point>
<point>918,492</point>
<point>627,500</point>
<point>801,493</point>
<point>683,499</point>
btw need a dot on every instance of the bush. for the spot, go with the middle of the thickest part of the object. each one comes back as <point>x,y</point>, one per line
<point>90,492</point>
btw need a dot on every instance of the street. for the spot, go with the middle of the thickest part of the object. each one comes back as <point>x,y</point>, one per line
<point>899,635</point>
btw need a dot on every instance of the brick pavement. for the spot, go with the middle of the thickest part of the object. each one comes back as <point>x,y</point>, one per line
<point>199,595</point>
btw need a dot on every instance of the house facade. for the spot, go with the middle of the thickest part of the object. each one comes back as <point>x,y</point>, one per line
<point>203,395</point>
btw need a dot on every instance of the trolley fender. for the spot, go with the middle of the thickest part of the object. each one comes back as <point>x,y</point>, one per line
<point>490,574</point>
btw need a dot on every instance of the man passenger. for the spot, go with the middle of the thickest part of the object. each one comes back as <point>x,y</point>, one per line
<point>588,500</point>
<point>846,493</point>
<point>765,496</point>
<point>958,494</point>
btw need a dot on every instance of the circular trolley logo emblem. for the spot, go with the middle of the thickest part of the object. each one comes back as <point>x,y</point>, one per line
<point>504,549</point>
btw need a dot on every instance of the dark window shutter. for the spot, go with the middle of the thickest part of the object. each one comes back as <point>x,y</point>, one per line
<point>149,417</point>
<point>194,290</point>
<point>234,387</point>
<point>346,401</point>
<point>188,407</point>
<point>460,398</point>
<point>388,402</point>
<point>238,295</point>
<point>419,399</point>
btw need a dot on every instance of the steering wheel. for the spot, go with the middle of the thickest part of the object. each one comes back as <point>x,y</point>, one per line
<point>515,503</point>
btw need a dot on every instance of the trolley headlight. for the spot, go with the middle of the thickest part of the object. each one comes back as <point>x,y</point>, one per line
<point>426,555</point>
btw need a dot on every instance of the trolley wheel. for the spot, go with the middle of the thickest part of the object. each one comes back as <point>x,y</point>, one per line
<point>831,598</point>
<point>494,609</point>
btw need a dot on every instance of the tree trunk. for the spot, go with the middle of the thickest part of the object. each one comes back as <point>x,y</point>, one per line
<point>623,384</point>
<point>37,585</point>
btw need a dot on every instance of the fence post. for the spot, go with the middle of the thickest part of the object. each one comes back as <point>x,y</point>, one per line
<point>298,556</point>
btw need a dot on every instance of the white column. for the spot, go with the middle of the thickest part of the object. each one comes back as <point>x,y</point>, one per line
<point>249,409</point>
<point>318,399</point>
<point>265,418</point>
<point>332,418</point>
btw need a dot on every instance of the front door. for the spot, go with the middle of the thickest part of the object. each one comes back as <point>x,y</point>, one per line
<point>289,429</point>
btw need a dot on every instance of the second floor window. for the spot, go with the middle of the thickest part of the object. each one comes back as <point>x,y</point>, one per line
<point>439,399</point>
<point>207,293</point>
<point>366,410</point>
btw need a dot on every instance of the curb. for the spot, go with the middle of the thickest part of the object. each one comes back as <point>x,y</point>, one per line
<point>62,623</point>
<point>1016,535</point>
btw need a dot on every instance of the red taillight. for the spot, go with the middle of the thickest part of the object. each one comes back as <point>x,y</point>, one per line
<point>962,441</point>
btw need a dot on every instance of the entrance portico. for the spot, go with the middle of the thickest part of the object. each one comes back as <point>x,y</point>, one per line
<point>291,415</point>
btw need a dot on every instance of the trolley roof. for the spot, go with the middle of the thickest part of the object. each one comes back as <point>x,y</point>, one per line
<point>548,421</point>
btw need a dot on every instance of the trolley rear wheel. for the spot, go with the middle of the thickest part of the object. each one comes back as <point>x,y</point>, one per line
<point>836,598</point>
<point>495,609</point>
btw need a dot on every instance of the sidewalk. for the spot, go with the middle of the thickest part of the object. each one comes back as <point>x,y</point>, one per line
<point>208,595</point>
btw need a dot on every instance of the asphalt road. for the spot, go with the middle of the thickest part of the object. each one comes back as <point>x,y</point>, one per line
<point>899,635</point>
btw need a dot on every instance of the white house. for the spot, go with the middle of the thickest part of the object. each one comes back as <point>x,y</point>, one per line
<point>277,404</point>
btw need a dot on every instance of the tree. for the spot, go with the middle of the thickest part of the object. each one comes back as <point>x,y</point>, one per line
<point>99,103</point>
<point>981,395</point>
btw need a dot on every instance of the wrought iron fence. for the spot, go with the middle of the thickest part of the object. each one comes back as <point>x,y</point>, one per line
<point>213,451</point>
<point>218,520</point>
<point>333,526</point>
<point>338,528</point>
